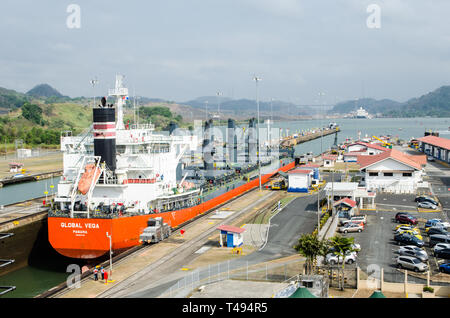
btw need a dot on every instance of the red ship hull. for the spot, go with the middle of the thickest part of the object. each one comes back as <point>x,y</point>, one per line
<point>86,238</point>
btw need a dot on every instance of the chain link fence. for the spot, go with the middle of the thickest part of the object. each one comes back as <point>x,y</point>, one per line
<point>237,270</point>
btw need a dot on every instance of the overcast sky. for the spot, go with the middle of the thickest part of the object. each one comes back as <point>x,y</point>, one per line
<point>182,49</point>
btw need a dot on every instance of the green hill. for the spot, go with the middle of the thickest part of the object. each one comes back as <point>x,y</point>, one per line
<point>10,99</point>
<point>434,104</point>
<point>43,90</point>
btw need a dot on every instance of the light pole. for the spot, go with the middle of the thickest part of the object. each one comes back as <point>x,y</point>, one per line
<point>110,255</point>
<point>321,124</point>
<point>206,111</point>
<point>257,79</point>
<point>94,82</point>
<point>218,105</point>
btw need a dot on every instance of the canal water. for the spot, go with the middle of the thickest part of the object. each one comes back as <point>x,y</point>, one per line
<point>44,272</point>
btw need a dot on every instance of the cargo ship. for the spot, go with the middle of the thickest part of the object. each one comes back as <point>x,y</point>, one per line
<point>117,177</point>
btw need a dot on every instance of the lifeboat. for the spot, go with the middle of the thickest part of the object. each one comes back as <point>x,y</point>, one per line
<point>90,173</point>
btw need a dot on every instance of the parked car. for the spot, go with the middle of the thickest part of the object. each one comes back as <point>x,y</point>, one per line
<point>427,205</point>
<point>419,253</point>
<point>356,248</point>
<point>436,230</point>
<point>438,238</point>
<point>409,262</point>
<point>411,232</point>
<point>356,219</point>
<point>408,239</point>
<point>429,158</point>
<point>405,225</point>
<point>443,253</point>
<point>445,268</point>
<point>411,248</point>
<point>439,246</point>
<point>407,228</point>
<point>438,222</point>
<point>425,198</point>
<point>334,259</point>
<point>351,227</point>
<point>406,218</point>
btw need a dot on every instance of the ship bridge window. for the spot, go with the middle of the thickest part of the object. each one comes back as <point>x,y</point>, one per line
<point>120,149</point>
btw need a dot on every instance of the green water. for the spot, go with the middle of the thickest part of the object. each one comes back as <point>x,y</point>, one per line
<point>31,281</point>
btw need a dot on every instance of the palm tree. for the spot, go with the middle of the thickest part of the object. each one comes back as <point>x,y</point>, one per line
<point>310,247</point>
<point>342,246</point>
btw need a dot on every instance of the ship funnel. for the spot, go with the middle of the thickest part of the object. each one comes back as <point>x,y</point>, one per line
<point>172,127</point>
<point>104,126</point>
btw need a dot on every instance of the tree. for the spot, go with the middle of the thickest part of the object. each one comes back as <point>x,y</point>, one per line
<point>32,112</point>
<point>310,247</point>
<point>342,246</point>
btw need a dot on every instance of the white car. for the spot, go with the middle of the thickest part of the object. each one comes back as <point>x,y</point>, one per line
<point>440,246</point>
<point>334,259</point>
<point>427,205</point>
<point>356,219</point>
<point>411,248</point>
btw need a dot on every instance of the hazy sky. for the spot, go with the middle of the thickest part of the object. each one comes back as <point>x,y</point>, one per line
<point>182,49</point>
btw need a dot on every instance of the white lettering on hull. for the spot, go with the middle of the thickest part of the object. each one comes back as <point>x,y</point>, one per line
<point>74,225</point>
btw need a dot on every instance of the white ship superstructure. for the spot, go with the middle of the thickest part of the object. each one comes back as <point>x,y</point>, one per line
<point>144,178</point>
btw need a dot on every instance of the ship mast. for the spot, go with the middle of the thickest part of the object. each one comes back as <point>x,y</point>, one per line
<point>121,94</point>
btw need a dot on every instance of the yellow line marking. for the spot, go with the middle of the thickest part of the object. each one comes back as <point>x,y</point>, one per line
<point>184,269</point>
<point>243,225</point>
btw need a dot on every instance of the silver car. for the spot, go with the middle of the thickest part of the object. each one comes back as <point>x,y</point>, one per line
<point>417,253</point>
<point>334,259</point>
<point>351,227</point>
<point>440,246</point>
<point>427,205</point>
<point>409,262</point>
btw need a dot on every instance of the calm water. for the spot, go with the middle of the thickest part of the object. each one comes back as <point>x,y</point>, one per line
<point>27,190</point>
<point>31,280</point>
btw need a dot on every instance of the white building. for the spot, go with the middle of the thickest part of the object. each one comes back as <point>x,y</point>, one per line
<point>391,171</point>
<point>364,148</point>
<point>300,180</point>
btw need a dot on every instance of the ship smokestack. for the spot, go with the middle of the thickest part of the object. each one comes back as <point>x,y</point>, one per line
<point>104,126</point>
<point>172,127</point>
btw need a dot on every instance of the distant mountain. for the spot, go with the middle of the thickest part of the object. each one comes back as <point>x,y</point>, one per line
<point>10,99</point>
<point>245,107</point>
<point>434,104</point>
<point>43,90</point>
<point>373,106</point>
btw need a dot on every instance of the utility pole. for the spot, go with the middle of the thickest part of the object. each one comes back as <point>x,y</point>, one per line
<point>257,79</point>
<point>218,105</point>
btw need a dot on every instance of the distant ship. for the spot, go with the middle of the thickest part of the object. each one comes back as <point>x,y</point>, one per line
<point>362,113</point>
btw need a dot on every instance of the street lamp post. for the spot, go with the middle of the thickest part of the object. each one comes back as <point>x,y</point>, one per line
<point>218,105</point>
<point>321,123</point>
<point>110,255</point>
<point>206,111</point>
<point>257,79</point>
<point>94,82</point>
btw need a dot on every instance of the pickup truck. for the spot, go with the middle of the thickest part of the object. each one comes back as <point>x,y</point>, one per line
<point>156,231</point>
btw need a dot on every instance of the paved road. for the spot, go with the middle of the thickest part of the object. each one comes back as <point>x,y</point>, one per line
<point>300,216</point>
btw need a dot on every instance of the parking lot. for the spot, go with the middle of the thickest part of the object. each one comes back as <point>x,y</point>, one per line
<point>378,247</point>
